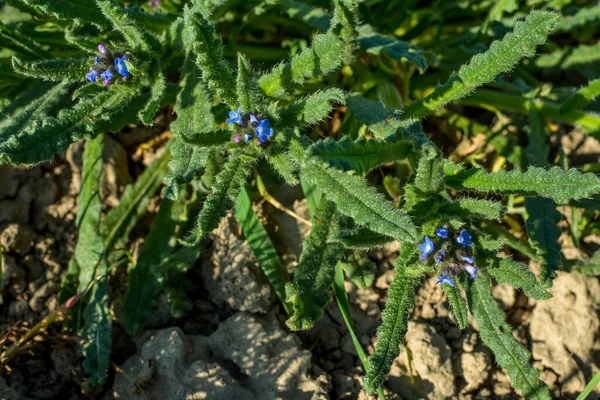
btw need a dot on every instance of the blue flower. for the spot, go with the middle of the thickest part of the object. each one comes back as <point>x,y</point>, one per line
<point>471,270</point>
<point>470,260</point>
<point>442,233</point>
<point>253,120</point>
<point>439,258</point>
<point>235,117</point>
<point>263,131</point>
<point>97,60</point>
<point>107,75</point>
<point>464,238</point>
<point>426,247</point>
<point>247,137</point>
<point>445,279</point>
<point>91,76</point>
<point>121,67</point>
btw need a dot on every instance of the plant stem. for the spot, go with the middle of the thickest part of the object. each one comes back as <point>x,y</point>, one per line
<point>589,387</point>
<point>275,203</point>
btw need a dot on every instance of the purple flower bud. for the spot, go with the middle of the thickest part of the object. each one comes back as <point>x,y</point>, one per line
<point>105,83</point>
<point>470,260</point>
<point>471,270</point>
<point>237,139</point>
<point>101,48</point>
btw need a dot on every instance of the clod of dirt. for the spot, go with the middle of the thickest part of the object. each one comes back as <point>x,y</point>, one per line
<point>248,357</point>
<point>232,275</point>
<point>17,238</point>
<point>431,366</point>
<point>563,332</point>
<point>7,393</point>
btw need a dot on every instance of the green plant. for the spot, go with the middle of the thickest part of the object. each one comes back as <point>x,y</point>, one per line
<point>231,119</point>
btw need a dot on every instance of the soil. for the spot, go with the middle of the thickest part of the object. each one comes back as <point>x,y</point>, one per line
<point>234,343</point>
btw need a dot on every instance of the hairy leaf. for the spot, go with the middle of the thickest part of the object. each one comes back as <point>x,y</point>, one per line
<point>123,23</point>
<point>501,57</point>
<point>583,96</point>
<point>344,24</point>
<point>381,121</point>
<point>247,86</point>
<point>361,155</point>
<point>498,336</point>
<point>157,93</point>
<point>261,246</point>
<point>53,70</point>
<point>71,10</point>
<point>473,209</point>
<point>199,37</point>
<point>517,275</point>
<point>309,292</point>
<point>324,56</point>
<point>311,109</point>
<point>359,269</point>
<point>224,193</point>
<point>582,18</point>
<point>399,305</point>
<point>590,267</point>
<point>554,183</point>
<point>458,305</point>
<point>430,175</point>
<point>21,44</point>
<point>360,238</point>
<point>542,226</point>
<point>358,200</point>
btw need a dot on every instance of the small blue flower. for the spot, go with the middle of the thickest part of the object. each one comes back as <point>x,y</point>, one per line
<point>464,238</point>
<point>426,247</point>
<point>107,75</point>
<point>439,258</point>
<point>235,117</point>
<point>470,260</point>
<point>471,270</point>
<point>253,120</point>
<point>247,137</point>
<point>124,58</point>
<point>445,279</point>
<point>442,233</point>
<point>121,67</point>
<point>91,76</point>
<point>97,60</point>
<point>263,131</point>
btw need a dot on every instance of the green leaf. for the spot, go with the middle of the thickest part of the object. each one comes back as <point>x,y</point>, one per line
<point>356,199</point>
<point>430,175</point>
<point>123,23</point>
<point>309,292</point>
<point>360,238</point>
<point>283,163</point>
<point>53,70</point>
<point>144,285</point>
<point>473,209</point>
<point>584,17</point>
<point>323,57</point>
<point>119,221</point>
<point>555,183</point>
<point>375,43</point>
<point>501,57</point>
<point>311,109</point>
<point>517,275</point>
<point>91,258</point>
<point>590,267</point>
<point>21,44</point>
<point>261,246</point>
<point>498,336</point>
<point>359,269</point>
<point>458,305</point>
<point>399,305</point>
<point>344,24</point>
<point>247,86</point>
<point>382,121</point>
<point>157,93</point>
<point>71,10</point>
<point>312,194</point>
<point>583,96</point>
<point>224,193</point>
<point>361,155</point>
<point>199,37</point>
<point>542,226</point>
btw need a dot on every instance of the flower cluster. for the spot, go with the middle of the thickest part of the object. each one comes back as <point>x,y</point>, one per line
<point>250,123</point>
<point>154,4</point>
<point>107,65</point>
<point>453,254</point>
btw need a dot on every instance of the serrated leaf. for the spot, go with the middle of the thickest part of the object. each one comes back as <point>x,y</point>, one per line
<point>344,25</point>
<point>582,18</point>
<point>157,93</point>
<point>224,193</point>
<point>144,285</point>
<point>517,275</point>
<point>501,57</point>
<point>199,37</point>
<point>283,162</point>
<point>361,202</point>
<point>123,23</point>
<point>71,10</point>
<point>457,304</point>
<point>382,121</point>
<point>360,238</point>
<point>399,305</point>
<point>309,292</point>
<point>261,246</point>
<point>498,336</point>
<point>311,109</point>
<point>583,96</point>
<point>53,70</point>
<point>247,86</point>
<point>554,183</point>
<point>359,269</point>
<point>430,175</point>
<point>361,155</point>
<point>375,43</point>
<point>324,56</point>
<point>473,209</point>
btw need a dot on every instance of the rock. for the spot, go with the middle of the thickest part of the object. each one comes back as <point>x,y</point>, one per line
<point>431,366</point>
<point>474,368</point>
<point>38,300</point>
<point>232,275</point>
<point>563,330</point>
<point>246,358</point>
<point>17,238</point>
<point>505,295</point>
